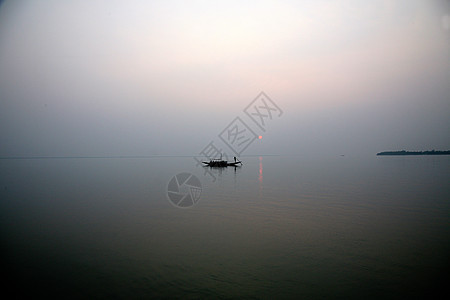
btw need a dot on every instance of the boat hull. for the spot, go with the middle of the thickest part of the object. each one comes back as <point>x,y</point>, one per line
<point>221,164</point>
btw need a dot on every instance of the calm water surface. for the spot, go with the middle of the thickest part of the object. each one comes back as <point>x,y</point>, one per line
<point>284,227</point>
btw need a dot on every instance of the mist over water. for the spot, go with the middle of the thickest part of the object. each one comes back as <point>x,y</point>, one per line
<point>104,104</point>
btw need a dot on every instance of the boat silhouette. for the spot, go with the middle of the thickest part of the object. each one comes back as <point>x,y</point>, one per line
<point>219,163</point>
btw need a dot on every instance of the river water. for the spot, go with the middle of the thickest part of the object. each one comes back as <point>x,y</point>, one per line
<point>277,227</point>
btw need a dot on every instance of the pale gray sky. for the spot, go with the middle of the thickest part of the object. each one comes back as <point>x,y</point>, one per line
<point>166,77</point>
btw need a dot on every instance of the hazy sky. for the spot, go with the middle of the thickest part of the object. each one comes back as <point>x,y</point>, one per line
<point>166,77</point>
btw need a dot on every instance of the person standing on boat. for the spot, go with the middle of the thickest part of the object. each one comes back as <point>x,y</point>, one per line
<point>235,159</point>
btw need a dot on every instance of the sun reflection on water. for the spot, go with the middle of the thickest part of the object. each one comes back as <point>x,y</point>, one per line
<point>260,178</point>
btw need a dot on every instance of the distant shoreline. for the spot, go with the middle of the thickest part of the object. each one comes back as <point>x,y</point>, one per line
<point>403,152</point>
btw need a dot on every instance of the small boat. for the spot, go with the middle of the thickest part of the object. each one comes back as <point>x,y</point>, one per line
<point>221,163</point>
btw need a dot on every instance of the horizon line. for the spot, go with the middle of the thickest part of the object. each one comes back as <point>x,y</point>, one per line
<point>111,156</point>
